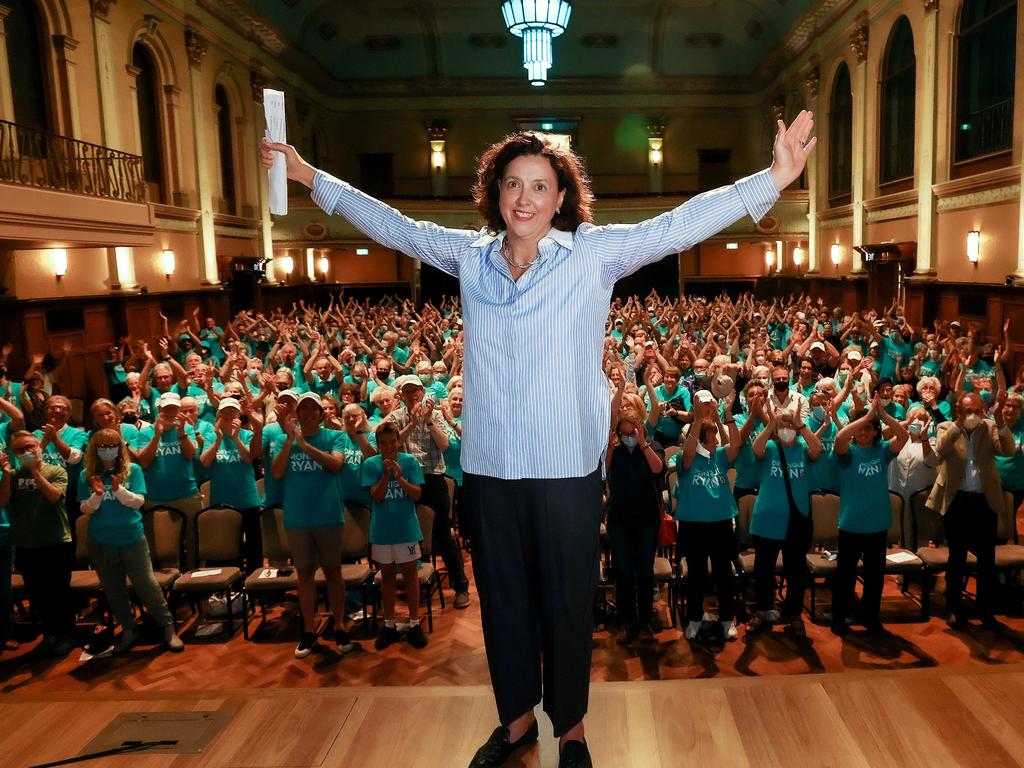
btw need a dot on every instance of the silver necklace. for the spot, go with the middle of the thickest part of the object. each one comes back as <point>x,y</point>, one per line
<point>504,250</point>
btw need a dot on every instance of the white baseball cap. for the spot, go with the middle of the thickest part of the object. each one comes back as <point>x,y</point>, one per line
<point>228,402</point>
<point>818,345</point>
<point>168,398</point>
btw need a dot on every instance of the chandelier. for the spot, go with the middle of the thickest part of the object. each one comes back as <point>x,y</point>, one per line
<point>537,22</point>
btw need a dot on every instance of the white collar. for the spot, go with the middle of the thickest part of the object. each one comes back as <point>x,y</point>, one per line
<point>560,237</point>
<point>702,451</point>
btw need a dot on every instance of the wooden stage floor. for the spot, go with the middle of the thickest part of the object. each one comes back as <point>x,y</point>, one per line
<point>970,715</point>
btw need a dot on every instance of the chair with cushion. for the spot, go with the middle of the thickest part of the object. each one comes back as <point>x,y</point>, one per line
<point>219,531</point>
<point>1009,554</point>
<point>900,561</point>
<point>165,532</point>
<point>279,577</point>
<point>429,581</point>
<point>84,580</point>
<point>824,543</point>
<point>744,563</point>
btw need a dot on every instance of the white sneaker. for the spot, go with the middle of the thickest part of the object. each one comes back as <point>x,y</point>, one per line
<point>729,629</point>
<point>772,616</point>
<point>692,629</point>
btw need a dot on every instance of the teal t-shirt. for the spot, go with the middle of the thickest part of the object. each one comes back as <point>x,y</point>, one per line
<point>1011,468</point>
<point>211,338</point>
<point>393,520</point>
<point>205,435</point>
<point>748,469</point>
<point>170,476</point>
<point>770,518</point>
<point>114,372</point>
<point>328,386</point>
<point>5,521</point>
<point>312,495</point>
<point>207,410</point>
<point>232,480</point>
<point>350,475</point>
<point>273,489</point>
<point>864,488</point>
<point>666,424</point>
<point>114,524</point>
<point>75,438</point>
<point>825,471</point>
<point>702,492</point>
<point>893,355</point>
<point>896,410</point>
<point>453,456</point>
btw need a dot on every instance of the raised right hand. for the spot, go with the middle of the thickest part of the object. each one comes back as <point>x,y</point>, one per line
<point>297,169</point>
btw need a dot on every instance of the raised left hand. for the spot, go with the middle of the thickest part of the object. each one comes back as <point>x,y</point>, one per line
<point>793,146</point>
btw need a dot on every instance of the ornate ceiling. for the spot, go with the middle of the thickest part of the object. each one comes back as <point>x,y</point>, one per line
<point>457,40</point>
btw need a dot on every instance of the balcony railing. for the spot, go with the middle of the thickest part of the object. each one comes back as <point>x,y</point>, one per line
<point>39,159</point>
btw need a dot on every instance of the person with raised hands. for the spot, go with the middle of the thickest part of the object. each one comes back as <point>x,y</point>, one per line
<point>307,458</point>
<point>781,519</point>
<point>705,510</point>
<point>112,491</point>
<point>865,514</point>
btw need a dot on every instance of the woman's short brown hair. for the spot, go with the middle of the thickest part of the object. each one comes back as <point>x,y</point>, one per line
<point>577,206</point>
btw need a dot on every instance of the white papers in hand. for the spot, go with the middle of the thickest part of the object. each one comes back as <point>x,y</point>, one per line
<point>273,110</point>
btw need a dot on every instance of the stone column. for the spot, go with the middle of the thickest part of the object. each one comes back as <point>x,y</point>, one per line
<point>859,45</point>
<point>110,118</point>
<point>197,47</point>
<point>68,121</point>
<point>814,260</point>
<point>258,83</point>
<point>926,141</point>
<point>6,94</point>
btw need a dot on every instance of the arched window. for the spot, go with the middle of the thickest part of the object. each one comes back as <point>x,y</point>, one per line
<point>146,91</point>
<point>24,52</point>
<point>899,70</point>
<point>225,148</point>
<point>986,53</point>
<point>840,138</point>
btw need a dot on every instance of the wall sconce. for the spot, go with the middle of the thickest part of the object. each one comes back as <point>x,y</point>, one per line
<point>798,256</point>
<point>437,156</point>
<point>836,252</point>
<point>323,265</point>
<point>732,246</point>
<point>59,259</point>
<point>769,258</point>
<point>654,147</point>
<point>287,264</point>
<point>973,246</point>
<point>168,262</point>
<point>362,251</point>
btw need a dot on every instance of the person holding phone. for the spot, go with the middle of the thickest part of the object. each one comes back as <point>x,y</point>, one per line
<point>112,491</point>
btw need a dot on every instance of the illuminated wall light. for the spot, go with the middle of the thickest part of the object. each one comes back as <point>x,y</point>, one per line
<point>798,255</point>
<point>362,251</point>
<point>836,252</point>
<point>323,264</point>
<point>59,259</point>
<point>769,258</point>
<point>437,156</point>
<point>310,262</point>
<point>654,150</point>
<point>973,246</point>
<point>732,246</point>
<point>167,259</point>
<point>287,264</point>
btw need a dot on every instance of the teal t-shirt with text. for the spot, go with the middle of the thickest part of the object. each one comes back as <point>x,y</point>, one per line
<point>114,524</point>
<point>703,492</point>
<point>864,488</point>
<point>393,520</point>
<point>312,495</point>
<point>232,480</point>
<point>770,518</point>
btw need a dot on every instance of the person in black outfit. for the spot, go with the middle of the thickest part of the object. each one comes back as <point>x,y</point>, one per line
<point>635,469</point>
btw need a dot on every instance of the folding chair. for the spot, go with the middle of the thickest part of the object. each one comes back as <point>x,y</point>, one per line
<point>825,516</point>
<point>900,561</point>
<point>264,582</point>
<point>355,548</point>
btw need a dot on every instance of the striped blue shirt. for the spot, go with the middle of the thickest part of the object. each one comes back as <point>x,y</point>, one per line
<point>536,402</point>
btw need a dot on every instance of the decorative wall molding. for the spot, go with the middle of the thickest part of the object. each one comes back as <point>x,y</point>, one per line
<point>979,198</point>
<point>838,223</point>
<point>887,214</point>
<point>196,47</point>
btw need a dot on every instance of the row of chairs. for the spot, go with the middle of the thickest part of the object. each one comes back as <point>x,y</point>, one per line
<point>221,570</point>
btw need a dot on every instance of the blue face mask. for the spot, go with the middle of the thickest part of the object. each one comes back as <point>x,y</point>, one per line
<point>629,441</point>
<point>818,413</point>
<point>108,454</point>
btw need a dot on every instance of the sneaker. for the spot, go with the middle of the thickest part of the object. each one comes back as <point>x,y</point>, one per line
<point>171,639</point>
<point>772,616</point>
<point>385,637</point>
<point>692,629</point>
<point>125,641</point>
<point>416,637</point>
<point>305,646</point>
<point>344,642</point>
<point>461,600</point>
<point>729,630</point>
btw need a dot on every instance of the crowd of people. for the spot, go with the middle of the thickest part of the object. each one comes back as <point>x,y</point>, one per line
<point>359,403</point>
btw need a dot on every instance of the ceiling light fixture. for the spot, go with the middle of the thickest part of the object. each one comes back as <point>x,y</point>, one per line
<point>537,22</point>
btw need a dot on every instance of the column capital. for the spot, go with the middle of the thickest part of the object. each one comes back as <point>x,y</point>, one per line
<point>931,5</point>
<point>100,8</point>
<point>258,82</point>
<point>437,130</point>
<point>656,127</point>
<point>811,81</point>
<point>196,48</point>
<point>859,42</point>
<point>4,11</point>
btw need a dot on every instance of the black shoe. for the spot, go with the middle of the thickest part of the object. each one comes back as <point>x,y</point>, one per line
<point>645,635</point>
<point>305,646</point>
<point>956,620</point>
<point>344,642</point>
<point>575,755</point>
<point>385,637</point>
<point>497,749</point>
<point>839,628</point>
<point>626,636</point>
<point>989,621</point>
<point>874,627</point>
<point>416,636</point>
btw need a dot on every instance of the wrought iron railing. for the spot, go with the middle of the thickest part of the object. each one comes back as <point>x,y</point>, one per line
<point>39,159</point>
<point>985,131</point>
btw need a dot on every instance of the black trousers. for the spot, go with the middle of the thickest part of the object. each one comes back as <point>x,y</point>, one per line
<point>252,538</point>
<point>794,548</point>
<point>535,561</point>
<point>869,547</point>
<point>435,496</point>
<point>970,525</point>
<point>698,542</point>
<point>634,545</point>
<point>47,573</point>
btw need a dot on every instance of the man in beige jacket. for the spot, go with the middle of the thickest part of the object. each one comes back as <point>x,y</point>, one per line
<point>969,495</point>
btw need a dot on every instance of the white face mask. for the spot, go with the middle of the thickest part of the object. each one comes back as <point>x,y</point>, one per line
<point>818,413</point>
<point>786,435</point>
<point>886,402</point>
<point>629,441</point>
<point>915,428</point>
<point>970,422</point>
